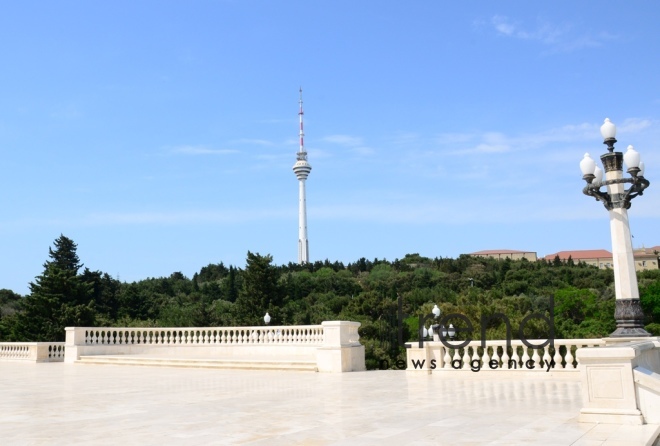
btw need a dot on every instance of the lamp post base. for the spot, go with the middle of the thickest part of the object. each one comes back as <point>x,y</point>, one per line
<point>629,316</point>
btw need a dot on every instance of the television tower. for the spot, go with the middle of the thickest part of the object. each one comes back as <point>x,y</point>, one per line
<point>302,169</point>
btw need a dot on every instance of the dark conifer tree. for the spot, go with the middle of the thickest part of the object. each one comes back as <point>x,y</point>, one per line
<point>58,297</point>
<point>261,291</point>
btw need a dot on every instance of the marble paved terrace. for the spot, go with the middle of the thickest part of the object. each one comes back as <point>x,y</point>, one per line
<point>70,404</point>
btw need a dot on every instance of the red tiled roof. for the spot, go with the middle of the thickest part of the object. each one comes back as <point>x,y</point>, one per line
<point>579,255</point>
<point>498,251</point>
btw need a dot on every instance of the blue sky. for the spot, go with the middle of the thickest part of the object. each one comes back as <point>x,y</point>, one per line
<point>160,135</point>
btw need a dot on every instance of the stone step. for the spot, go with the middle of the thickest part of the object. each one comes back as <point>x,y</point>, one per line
<point>244,364</point>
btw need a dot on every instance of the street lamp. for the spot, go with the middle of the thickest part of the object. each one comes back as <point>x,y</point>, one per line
<point>616,199</point>
<point>267,318</point>
<point>433,328</point>
<point>451,332</point>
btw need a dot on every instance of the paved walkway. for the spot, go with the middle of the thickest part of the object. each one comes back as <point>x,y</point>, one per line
<point>121,405</point>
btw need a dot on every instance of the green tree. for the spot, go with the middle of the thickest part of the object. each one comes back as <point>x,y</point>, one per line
<point>58,297</point>
<point>261,291</point>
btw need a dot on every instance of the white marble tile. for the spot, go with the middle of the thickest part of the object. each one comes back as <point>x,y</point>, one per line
<point>76,404</point>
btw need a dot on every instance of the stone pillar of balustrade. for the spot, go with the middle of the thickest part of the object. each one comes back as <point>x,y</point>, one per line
<point>608,383</point>
<point>74,344</point>
<point>341,350</point>
<point>40,352</point>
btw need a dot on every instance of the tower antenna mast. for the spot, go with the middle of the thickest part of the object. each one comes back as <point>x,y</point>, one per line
<point>302,169</point>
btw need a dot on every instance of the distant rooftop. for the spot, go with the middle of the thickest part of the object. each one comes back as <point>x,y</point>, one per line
<point>498,251</point>
<point>580,254</point>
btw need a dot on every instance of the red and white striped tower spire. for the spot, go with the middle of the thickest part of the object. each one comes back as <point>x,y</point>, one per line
<point>302,170</point>
<point>302,132</point>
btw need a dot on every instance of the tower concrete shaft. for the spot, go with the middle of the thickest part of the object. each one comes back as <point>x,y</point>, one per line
<point>302,169</point>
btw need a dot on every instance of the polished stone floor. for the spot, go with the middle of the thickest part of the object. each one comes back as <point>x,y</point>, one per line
<point>65,404</point>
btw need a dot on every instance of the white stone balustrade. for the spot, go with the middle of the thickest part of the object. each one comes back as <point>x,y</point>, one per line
<point>437,357</point>
<point>301,334</point>
<point>334,345</point>
<point>32,351</point>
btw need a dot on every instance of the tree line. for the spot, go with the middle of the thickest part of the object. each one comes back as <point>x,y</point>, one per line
<point>68,294</point>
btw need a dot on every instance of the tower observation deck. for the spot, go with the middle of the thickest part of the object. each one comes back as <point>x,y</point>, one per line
<point>302,169</point>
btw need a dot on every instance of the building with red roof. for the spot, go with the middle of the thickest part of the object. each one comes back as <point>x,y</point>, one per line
<point>502,254</point>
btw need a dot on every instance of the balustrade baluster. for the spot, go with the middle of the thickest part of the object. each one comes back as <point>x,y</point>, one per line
<point>505,356</point>
<point>557,357</point>
<point>514,357</point>
<point>466,358</point>
<point>546,356</point>
<point>496,355</point>
<point>525,356</point>
<point>569,357</point>
<point>537,359</point>
<point>485,359</point>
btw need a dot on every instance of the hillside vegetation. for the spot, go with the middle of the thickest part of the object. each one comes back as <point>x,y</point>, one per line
<point>65,294</point>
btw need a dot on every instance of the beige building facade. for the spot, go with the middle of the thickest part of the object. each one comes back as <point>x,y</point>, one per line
<point>645,258</point>
<point>502,254</point>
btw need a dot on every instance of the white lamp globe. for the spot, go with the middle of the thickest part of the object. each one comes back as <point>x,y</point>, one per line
<point>598,173</point>
<point>608,129</point>
<point>631,158</point>
<point>587,165</point>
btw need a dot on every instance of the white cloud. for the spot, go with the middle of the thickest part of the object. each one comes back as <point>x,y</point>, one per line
<point>558,37</point>
<point>201,150</point>
<point>354,143</point>
<point>503,25</point>
<point>315,154</point>
<point>634,125</point>
<point>274,156</point>
<point>453,138</point>
<point>259,142</point>
<point>68,112</point>
<point>345,140</point>
<point>187,216</point>
<point>363,151</point>
<point>545,32</point>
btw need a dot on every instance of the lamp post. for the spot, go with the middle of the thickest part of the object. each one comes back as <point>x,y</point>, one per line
<point>267,318</point>
<point>616,199</point>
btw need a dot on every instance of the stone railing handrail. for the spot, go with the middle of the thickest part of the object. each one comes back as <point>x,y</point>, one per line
<point>32,351</point>
<point>333,345</point>
<point>275,335</point>
<point>519,356</point>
